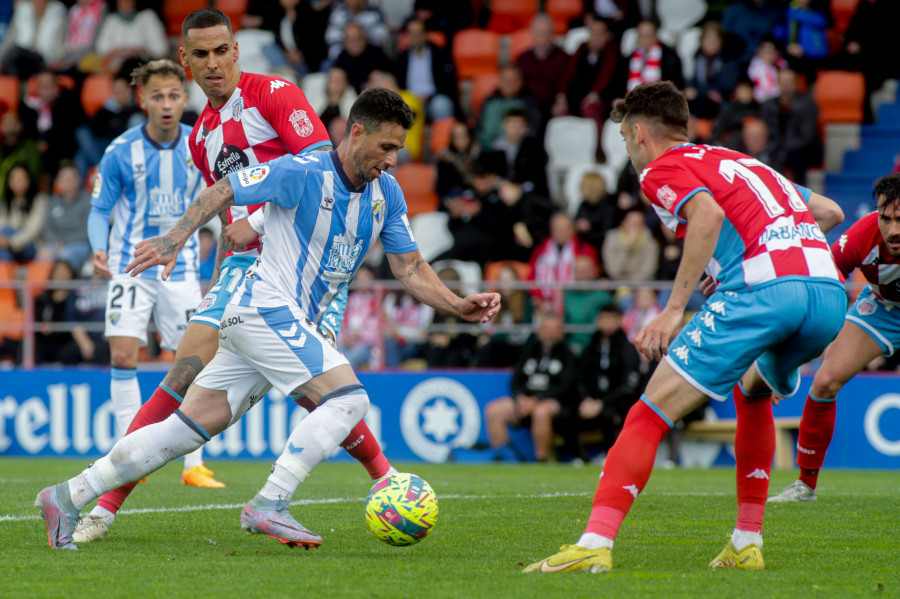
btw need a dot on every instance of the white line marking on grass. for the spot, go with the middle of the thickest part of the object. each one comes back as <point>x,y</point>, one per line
<point>333,500</point>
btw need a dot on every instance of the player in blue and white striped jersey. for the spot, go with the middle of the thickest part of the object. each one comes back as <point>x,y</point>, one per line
<point>325,211</point>
<point>146,181</point>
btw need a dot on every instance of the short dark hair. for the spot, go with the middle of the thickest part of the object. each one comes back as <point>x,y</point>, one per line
<point>163,67</point>
<point>516,112</point>
<point>659,103</point>
<point>887,187</point>
<point>205,18</point>
<point>379,105</point>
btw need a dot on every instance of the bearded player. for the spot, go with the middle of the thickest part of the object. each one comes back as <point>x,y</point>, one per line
<point>249,119</point>
<point>871,329</point>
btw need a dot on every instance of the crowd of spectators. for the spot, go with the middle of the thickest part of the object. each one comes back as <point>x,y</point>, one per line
<point>748,86</point>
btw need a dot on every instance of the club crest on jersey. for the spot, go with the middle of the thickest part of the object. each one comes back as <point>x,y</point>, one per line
<point>378,209</point>
<point>302,125</point>
<point>237,109</point>
<point>866,307</point>
<point>114,317</point>
<point>666,196</point>
<point>252,176</point>
<point>208,300</point>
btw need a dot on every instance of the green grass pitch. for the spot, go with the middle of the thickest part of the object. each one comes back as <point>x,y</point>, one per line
<point>177,541</point>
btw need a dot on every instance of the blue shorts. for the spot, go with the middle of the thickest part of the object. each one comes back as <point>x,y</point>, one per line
<point>877,319</point>
<point>212,306</point>
<point>780,327</point>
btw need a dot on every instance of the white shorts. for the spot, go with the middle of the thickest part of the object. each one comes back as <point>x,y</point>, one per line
<point>130,301</point>
<point>264,347</point>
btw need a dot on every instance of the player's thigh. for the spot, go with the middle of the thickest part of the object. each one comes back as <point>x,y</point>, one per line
<point>212,307</point>
<point>323,384</point>
<point>129,304</point>
<point>224,391</point>
<point>824,308</point>
<point>670,393</point>
<point>175,304</point>
<point>873,316</point>
<point>285,347</point>
<point>201,340</point>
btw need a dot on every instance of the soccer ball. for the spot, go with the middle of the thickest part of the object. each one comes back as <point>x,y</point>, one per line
<point>401,509</point>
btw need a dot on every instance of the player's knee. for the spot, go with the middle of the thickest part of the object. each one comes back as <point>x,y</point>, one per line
<point>825,385</point>
<point>499,409</point>
<point>120,357</point>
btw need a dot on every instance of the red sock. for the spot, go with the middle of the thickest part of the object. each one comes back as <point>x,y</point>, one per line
<point>628,467</point>
<point>754,450</point>
<point>160,406</point>
<point>360,444</point>
<point>816,431</point>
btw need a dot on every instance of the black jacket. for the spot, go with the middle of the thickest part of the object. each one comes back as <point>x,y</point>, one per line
<point>551,375</point>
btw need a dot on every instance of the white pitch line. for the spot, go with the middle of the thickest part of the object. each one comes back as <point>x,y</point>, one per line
<point>233,506</point>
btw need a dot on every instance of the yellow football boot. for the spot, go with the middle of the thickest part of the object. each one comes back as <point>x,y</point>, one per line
<point>748,558</point>
<point>200,476</point>
<point>572,558</point>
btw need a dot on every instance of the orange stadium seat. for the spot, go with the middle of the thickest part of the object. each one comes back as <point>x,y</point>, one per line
<point>476,52</point>
<point>492,269</point>
<point>175,11</point>
<point>12,316</point>
<point>94,93</point>
<point>482,87</point>
<point>519,42</point>
<point>10,91</point>
<point>435,37</point>
<point>38,272</point>
<point>417,182</point>
<point>562,12</point>
<point>440,134</point>
<point>8,299</point>
<point>235,9</point>
<point>509,15</point>
<point>840,96</point>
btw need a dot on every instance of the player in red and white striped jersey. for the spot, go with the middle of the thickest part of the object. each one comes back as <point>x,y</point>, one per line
<point>779,301</point>
<point>871,329</point>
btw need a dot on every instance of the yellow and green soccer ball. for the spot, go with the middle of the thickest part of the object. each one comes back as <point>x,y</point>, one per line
<point>401,509</point>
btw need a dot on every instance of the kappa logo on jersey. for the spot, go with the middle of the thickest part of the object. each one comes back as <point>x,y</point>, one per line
<point>98,186</point>
<point>842,242</point>
<point>230,159</point>
<point>237,109</point>
<point>252,176</point>
<point>202,132</point>
<point>276,84</point>
<point>302,125</point>
<point>378,210</point>
<point>666,197</point>
<point>866,307</point>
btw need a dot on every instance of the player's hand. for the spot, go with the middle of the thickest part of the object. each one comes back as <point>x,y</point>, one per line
<point>101,265</point>
<point>708,286</point>
<point>590,408</point>
<point>239,233</point>
<point>653,340</point>
<point>479,307</point>
<point>153,252</point>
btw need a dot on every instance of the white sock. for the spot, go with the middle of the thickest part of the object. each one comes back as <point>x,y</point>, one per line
<point>125,393</point>
<point>320,433</point>
<point>104,514</point>
<point>591,540</point>
<point>280,484</point>
<point>135,456</point>
<point>195,458</point>
<point>742,538</point>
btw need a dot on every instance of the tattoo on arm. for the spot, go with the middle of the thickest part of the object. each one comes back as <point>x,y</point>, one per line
<point>207,205</point>
<point>411,272</point>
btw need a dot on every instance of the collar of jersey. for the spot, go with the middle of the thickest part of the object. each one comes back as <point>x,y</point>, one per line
<point>155,143</point>
<point>344,178</point>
